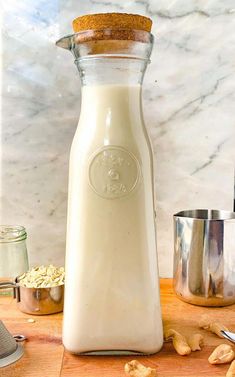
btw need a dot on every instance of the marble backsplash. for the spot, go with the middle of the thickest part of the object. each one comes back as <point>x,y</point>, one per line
<point>189,108</point>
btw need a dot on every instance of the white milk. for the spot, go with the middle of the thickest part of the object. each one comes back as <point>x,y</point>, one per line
<point>112,291</point>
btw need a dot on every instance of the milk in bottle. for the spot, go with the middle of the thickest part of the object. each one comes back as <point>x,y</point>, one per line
<point>112,288</point>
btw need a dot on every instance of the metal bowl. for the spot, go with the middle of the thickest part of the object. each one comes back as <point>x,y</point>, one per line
<point>37,301</point>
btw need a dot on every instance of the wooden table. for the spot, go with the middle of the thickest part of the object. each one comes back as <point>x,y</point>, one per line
<point>45,355</point>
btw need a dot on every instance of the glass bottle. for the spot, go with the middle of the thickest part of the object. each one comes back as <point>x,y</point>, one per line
<point>13,253</point>
<point>112,300</point>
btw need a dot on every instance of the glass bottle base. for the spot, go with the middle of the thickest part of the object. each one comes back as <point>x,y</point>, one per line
<point>112,353</point>
<point>116,352</point>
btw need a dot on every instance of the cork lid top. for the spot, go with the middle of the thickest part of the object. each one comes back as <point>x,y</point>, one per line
<point>112,21</point>
<point>110,34</point>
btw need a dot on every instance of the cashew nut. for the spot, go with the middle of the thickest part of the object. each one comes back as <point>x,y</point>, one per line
<point>231,370</point>
<point>136,369</point>
<point>195,342</point>
<point>221,354</point>
<point>179,342</point>
<point>212,326</point>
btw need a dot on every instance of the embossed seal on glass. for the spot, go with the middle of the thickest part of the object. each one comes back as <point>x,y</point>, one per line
<point>114,172</point>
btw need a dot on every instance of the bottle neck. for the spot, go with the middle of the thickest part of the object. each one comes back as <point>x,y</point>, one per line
<point>111,71</point>
<point>110,104</point>
<point>111,89</point>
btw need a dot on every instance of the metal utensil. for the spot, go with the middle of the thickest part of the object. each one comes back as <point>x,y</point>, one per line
<point>10,350</point>
<point>228,335</point>
<point>37,301</point>
<point>19,338</point>
<point>204,258</point>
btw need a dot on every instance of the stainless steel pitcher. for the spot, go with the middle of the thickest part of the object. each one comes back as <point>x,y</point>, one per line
<point>204,258</point>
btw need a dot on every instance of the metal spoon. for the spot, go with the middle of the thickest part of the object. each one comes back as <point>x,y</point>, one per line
<point>228,335</point>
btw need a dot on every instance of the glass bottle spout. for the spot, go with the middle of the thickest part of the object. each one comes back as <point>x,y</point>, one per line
<point>65,42</point>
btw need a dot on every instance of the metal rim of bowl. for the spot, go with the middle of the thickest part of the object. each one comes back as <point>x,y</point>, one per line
<point>206,214</point>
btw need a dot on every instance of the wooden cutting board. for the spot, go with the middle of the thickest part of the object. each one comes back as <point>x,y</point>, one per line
<point>45,355</point>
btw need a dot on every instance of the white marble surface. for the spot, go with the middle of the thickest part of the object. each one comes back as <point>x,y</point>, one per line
<point>189,106</point>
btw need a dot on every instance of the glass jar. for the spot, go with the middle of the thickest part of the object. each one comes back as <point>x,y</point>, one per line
<point>112,300</point>
<point>13,253</point>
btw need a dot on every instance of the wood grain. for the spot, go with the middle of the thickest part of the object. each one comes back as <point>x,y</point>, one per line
<point>45,356</point>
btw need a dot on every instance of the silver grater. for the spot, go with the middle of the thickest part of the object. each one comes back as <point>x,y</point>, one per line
<point>10,350</point>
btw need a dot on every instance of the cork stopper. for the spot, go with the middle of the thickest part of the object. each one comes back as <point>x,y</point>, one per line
<point>112,21</point>
<point>114,34</point>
